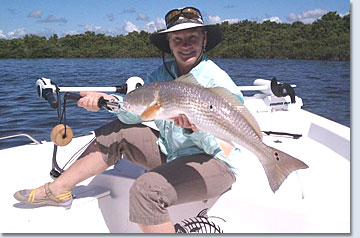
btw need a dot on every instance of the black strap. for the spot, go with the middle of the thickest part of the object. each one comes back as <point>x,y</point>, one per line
<point>163,58</point>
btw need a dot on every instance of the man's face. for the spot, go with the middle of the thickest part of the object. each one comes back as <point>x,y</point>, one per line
<point>186,46</point>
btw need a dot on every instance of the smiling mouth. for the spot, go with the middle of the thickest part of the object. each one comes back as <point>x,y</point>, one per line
<point>187,54</point>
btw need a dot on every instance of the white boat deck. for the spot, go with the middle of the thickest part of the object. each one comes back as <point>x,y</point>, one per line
<point>29,166</point>
<point>315,200</point>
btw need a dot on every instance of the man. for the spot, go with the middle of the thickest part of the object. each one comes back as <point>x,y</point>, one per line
<point>177,155</point>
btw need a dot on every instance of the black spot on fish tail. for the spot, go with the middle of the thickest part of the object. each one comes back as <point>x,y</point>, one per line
<point>279,166</point>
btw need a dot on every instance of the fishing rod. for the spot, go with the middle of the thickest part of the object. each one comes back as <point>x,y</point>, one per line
<point>62,134</point>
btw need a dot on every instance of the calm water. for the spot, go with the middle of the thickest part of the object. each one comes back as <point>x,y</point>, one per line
<point>324,87</point>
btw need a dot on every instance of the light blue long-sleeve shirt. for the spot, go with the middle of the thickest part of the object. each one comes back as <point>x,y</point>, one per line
<point>174,141</point>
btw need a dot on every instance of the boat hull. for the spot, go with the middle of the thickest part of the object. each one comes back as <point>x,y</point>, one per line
<point>314,200</point>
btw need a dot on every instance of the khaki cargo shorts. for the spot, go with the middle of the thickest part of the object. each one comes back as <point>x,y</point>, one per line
<point>186,179</point>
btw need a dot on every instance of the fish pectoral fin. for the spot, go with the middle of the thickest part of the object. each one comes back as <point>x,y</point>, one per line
<point>151,112</point>
<point>226,147</point>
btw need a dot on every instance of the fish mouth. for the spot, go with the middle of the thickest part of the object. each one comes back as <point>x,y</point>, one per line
<point>125,106</point>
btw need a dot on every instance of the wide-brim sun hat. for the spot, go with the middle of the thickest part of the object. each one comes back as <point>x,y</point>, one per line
<point>182,22</point>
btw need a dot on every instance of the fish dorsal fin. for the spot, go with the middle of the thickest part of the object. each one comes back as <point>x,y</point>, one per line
<point>234,101</point>
<point>189,79</point>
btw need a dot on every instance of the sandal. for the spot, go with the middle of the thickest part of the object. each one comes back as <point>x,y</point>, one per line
<point>62,200</point>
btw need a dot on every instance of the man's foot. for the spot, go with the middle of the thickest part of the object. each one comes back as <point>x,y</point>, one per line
<point>43,196</point>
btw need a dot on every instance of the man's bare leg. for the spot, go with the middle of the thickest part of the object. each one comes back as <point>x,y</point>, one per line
<point>89,164</point>
<point>167,227</point>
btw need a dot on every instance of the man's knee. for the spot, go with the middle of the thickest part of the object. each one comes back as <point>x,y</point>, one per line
<point>150,195</point>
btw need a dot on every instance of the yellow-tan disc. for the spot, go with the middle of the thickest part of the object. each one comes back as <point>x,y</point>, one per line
<point>58,136</point>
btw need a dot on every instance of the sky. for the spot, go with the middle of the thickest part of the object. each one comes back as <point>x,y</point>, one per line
<point>114,17</point>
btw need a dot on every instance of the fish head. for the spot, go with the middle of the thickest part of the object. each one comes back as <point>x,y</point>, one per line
<point>139,100</point>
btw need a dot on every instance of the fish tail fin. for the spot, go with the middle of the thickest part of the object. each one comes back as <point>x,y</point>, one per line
<point>279,167</point>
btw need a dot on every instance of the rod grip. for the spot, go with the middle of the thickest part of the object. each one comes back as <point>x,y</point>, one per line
<point>73,96</point>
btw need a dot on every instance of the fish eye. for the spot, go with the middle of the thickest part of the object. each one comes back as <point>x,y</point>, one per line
<point>211,106</point>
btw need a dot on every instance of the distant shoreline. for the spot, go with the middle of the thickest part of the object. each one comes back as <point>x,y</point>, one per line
<point>325,39</point>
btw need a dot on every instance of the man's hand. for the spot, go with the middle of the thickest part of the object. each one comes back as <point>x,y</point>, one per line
<point>89,100</point>
<point>183,122</point>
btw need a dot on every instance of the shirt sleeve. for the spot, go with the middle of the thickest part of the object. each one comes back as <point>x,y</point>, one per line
<point>204,141</point>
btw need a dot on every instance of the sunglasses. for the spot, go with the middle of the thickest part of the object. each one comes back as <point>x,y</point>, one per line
<point>187,12</point>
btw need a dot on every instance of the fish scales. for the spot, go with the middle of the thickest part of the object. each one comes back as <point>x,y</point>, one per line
<point>190,101</point>
<point>215,111</point>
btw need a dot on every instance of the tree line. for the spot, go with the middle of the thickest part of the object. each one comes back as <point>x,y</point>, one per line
<point>327,38</point>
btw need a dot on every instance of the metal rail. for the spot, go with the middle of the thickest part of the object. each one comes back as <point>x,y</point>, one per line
<point>18,135</point>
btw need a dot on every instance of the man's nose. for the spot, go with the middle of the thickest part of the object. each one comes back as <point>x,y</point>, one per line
<point>186,43</point>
